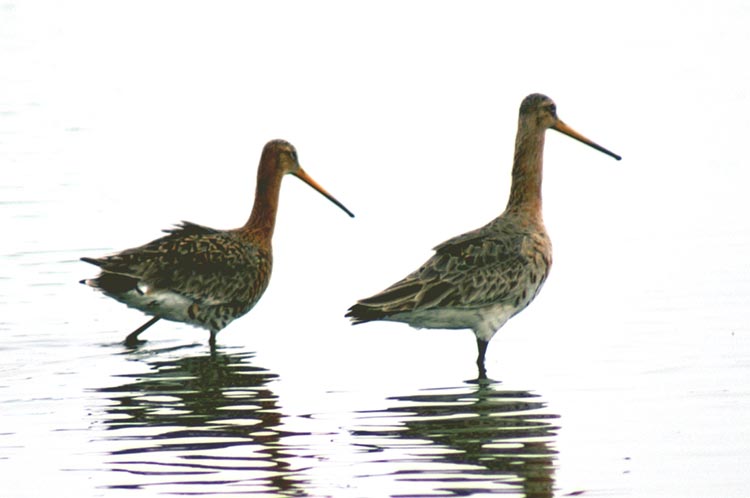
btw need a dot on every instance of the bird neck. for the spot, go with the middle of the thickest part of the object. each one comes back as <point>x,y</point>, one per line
<point>526,185</point>
<point>262,221</point>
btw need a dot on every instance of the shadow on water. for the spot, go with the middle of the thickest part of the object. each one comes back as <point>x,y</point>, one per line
<point>196,421</point>
<point>468,440</point>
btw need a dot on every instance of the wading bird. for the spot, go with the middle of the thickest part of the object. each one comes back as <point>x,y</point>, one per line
<point>482,278</point>
<point>199,275</point>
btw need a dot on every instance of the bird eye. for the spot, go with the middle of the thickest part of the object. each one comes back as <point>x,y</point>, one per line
<point>553,109</point>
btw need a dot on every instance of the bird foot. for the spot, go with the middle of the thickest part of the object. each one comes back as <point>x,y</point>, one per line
<point>132,341</point>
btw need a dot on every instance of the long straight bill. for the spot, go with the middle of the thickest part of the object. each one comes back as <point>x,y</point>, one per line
<point>567,130</point>
<point>306,178</point>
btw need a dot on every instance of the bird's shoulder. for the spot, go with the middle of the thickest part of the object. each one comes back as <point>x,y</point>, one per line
<point>186,248</point>
<point>486,265</point>
<point>199,243</point>
<point>495,242</point>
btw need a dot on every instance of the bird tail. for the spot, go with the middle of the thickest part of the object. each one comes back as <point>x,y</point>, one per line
<point>400,297</point>
<point>112,283</point>
<point>361,313</point>
<point>93,261</point>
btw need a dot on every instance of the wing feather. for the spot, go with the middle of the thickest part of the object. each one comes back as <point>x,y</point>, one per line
<point>482,267</point>
<point>205,265</point>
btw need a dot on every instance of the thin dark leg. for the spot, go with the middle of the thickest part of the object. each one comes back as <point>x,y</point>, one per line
<point>482,347</point>
<point>212,340</point>
<point>132,338</point>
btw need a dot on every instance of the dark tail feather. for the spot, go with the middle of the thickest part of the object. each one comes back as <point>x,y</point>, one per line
<point>361,313</point>
<point>112,283</point>
<point>93,261</point>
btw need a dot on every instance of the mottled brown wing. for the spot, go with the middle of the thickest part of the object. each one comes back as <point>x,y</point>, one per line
<point>479,272</point>
<point>203,264</point>
<point>469,271</point>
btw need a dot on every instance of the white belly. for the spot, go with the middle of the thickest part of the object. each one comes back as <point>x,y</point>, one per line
<point>164,303</point>
<point>483,321</point>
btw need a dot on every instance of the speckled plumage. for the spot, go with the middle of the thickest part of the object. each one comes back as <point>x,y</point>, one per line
<point>199,275</point>
<point>195,275</point>
<point>469,276</point>
<point>480,279</point>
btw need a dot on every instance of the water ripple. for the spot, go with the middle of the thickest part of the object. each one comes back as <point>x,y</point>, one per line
<point>210,424</point>
<point>466,440</point>
<point>195,421</point>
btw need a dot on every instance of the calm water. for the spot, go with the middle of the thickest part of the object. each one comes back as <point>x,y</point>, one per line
<point>628,376</point>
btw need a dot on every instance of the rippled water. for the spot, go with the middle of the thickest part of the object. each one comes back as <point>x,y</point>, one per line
<point>467,441</point>
<point>211,424</point>
<point>194,420</point>
<point>185,420</point>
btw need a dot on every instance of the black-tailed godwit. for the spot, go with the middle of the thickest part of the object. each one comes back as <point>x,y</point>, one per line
<point>482,278</point>
<point>199,275</point>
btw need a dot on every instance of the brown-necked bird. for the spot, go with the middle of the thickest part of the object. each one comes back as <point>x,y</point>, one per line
<point>482,278</point>
<point>199,275</point>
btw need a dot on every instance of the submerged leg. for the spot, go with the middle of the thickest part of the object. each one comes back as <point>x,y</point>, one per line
<point>132,338</point>
<point>482,347</point>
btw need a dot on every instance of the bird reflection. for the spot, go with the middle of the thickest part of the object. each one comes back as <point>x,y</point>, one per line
<point>479,440</point>
<point>193,421</point>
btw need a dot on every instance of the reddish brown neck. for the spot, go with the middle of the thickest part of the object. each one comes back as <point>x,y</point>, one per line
<point>262,221</point>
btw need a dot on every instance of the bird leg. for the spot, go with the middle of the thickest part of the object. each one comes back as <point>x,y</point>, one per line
<point>132,338</point>
<point>482,347</point>
<point>212,340</point>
